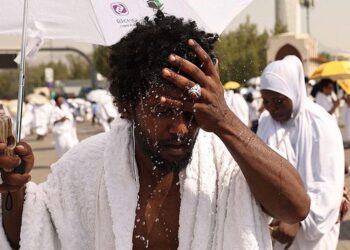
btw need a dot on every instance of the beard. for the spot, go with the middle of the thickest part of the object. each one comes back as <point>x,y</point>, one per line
<point>153,148</point>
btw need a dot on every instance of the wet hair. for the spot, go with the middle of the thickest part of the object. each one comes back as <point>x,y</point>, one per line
<point>136,61</point>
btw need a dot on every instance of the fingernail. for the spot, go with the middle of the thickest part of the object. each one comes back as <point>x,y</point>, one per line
<point>162,99</point>
<point>172,58</point>
<point>191,42</point>
<point>20,147</point>
<point>166,72</point>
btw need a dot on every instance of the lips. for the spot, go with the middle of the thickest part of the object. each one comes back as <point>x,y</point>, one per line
<point>176,148</point>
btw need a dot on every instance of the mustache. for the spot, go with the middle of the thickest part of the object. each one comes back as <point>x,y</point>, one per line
<point>178,140</point>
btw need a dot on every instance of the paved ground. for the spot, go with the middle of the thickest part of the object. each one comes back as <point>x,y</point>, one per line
<point>45,156</point>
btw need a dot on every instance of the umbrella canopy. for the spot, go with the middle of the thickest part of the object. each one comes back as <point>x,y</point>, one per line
<point>105,22</point>
<point>232,85</point>
<point>99,96</point>
<point>345,85</point>
<point>335,70</point>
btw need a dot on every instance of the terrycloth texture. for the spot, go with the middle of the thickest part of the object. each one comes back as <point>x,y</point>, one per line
<point>91,199</point>
<point>312,143</point>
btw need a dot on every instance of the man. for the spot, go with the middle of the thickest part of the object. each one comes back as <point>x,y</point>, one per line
<point>236,101</point>
<point>41,115</point>
<point>165,177</point>
<point>63,126</point>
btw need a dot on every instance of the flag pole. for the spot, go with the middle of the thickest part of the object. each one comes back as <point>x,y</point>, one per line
<point>22,74</point>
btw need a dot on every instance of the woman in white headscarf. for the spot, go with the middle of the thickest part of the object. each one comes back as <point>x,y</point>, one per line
<point>305,133</point>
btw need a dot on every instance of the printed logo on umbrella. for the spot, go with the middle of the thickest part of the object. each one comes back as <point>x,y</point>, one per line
<point>120,9</point>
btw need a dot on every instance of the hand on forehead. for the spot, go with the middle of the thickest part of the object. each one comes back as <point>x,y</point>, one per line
<point>167,90</point>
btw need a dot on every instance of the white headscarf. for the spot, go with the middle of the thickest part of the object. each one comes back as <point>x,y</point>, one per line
<point>312,142</point>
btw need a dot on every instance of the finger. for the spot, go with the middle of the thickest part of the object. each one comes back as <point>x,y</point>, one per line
<point>23,149</point>
<point>9,162</point>
<point>207,66</point>
<point>26,154</point>
<point>2,146</point>
<point>190,69</point>
<point>179,80</point>
<point>15,179</point>
<point>170,102</point>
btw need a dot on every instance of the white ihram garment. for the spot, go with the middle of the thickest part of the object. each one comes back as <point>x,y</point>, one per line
<point>238,105</point>
<point>106,112</point>
<point>41,116</point>
<point>326,102</point>
<point>90,198</point>
<point>312,142</point>
<point>64,132</point>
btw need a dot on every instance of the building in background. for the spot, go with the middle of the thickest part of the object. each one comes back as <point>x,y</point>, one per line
<point>293,42</point>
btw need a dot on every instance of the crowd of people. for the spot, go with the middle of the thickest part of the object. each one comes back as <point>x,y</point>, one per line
<point>189,164</point>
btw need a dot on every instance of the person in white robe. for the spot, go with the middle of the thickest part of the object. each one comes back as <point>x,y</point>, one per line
<point>167,176</point>
<point>236,101</point>
<point>327,99</point>
<point>63,127</point>
<point>41,118</point>
<point>304,132</point>
<point>106,112</point>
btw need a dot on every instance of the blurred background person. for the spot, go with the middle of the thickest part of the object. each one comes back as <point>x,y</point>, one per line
<point>42,109</point>
<point>236,101</point>
<point>63,126</point>
<point>326,97</point>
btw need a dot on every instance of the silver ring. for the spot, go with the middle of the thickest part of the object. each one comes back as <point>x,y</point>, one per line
<point>196,91</point>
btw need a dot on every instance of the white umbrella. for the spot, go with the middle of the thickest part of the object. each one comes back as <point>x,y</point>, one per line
<point>99,96</point>
<point>99,21</point>
<point>106,21</point>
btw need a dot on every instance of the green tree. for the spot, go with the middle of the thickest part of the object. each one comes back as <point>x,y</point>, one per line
<point>242,53</point>
<point>279,28</point>
<point>8,84</point>
<point>100,59</point>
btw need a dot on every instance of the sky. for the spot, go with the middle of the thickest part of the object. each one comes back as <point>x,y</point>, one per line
<point>329,22</point>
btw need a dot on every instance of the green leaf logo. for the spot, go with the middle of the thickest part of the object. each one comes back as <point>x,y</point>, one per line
<point>155,4</point>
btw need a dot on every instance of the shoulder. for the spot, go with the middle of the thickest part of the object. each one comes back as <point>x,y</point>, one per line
<point>83,159</point>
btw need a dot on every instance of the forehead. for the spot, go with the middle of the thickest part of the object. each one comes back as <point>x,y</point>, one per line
<point>166,90</point>
<point>267,94</point>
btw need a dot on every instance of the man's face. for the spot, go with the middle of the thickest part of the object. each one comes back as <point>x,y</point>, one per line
<point>166,135</point>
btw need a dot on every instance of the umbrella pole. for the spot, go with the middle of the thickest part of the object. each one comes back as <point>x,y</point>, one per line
<point>22,73</point>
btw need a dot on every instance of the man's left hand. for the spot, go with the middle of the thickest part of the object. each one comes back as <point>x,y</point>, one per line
<point>210,107</point>
<point>284,233</point>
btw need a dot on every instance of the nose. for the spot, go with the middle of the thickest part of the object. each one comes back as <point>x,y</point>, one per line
<point>179,126</point>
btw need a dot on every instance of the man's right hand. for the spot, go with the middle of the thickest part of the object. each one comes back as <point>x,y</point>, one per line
<point>13,182</point>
